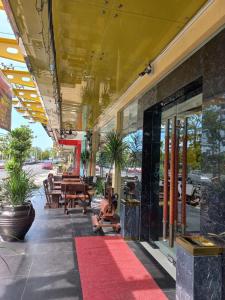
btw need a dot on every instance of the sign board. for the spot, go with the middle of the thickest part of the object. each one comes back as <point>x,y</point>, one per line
<point>5,104</point>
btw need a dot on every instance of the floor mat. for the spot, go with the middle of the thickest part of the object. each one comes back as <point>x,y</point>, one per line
<point>110,270</point>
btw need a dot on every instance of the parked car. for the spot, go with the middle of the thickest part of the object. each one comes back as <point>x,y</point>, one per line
<point>47,165</point>
<point>2,164</point>
<point>196,177</point>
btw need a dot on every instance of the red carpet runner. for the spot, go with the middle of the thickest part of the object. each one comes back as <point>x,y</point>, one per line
<point>109,270</point>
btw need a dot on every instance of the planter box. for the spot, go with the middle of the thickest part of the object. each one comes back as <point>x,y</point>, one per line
<point>129,219</point>
<point>199,269</point>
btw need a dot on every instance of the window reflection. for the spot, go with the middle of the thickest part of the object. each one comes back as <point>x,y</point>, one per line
<point>131,172</point>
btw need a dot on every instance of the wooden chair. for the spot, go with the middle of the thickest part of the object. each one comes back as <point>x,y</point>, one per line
<point>69,176</point>
<point>75,194</point>
<point>57,178</point>
<point>107,216</point>
<point>52,196</point>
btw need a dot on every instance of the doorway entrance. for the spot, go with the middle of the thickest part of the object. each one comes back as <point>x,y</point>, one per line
<point>180,176</point>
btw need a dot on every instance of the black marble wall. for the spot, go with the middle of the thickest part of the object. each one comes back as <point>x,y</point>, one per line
<point>150,227</point>
<point>204,72</point>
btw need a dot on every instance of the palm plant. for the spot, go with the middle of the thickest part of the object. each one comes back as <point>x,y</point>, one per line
<point>115,149</point>
<point>17,188</point>
<point>85,155</point>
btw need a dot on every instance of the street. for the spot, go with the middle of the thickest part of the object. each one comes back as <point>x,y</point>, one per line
<point>35,169</point>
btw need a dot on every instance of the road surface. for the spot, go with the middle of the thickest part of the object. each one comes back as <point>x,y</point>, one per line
<point>35,169</point>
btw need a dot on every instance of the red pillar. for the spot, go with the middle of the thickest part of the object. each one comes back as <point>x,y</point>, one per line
<point>77,159</point>
<point>77,144</point>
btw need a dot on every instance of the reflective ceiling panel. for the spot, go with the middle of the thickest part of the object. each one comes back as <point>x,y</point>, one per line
<point>102,46</point>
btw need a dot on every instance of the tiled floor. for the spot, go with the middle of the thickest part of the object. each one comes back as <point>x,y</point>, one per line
<point>44,266</point>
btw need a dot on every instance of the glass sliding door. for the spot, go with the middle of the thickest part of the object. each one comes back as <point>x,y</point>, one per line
<point>180,174</point>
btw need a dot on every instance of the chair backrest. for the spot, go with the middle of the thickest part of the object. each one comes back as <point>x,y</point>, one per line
<point>46,189</point>
<point>69,176</point>
<point>57,178</point>
<point>72,179</point>
<point>50,181</point>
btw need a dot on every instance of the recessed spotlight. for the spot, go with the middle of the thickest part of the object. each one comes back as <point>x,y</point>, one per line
<point>12,50</point>
<point>26,79</point>
<point>21,93</point>
<point>10,76</point>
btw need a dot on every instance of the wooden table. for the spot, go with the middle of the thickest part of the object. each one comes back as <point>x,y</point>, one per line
<point>77,195</point>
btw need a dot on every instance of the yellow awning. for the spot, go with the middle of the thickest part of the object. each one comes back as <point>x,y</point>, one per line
<point>1,5</point>
<point>9,49</point>
<point>27,94</point>
<point>33,107</point>
<point>19,77</point>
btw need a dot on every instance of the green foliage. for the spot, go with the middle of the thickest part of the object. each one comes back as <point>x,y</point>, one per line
<point>101,159</point>
<point>135,149</point>
<point>85,155</point>
<point>115,150</point>
<point>45,154</point>
<point>99,186</point>
<point>19,142</point>
<point>17,188</point>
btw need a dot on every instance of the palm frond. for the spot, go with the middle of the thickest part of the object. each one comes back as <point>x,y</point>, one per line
<point>115,149</point>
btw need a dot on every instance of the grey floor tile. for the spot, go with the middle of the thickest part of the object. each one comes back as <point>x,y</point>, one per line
<point>53,262</point>
<point>12,288</point>
<point>17,265</point>
<point>63,285</point>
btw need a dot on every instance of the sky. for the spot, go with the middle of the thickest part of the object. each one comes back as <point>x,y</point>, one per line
<point>41,139</point>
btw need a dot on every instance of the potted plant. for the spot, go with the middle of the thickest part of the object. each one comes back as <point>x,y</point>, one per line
<point>115,152</point>
<point>85,155</point>
<point>16,210</point>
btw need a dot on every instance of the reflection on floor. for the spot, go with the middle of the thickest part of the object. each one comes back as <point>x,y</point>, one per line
<point>44,265</point>
<point>193,226</point>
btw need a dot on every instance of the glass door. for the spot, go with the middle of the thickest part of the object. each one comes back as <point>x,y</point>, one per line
<point>180,175</point>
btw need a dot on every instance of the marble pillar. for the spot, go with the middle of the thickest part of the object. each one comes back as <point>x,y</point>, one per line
<point>150,224</point>
<point>198,277</point>
<point>129,219</point>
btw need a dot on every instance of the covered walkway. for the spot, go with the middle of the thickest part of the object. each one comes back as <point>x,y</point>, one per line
<point>44,266</point>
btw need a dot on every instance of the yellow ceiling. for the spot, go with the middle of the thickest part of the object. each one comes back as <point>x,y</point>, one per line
<point>102,46</point>
<point>9,49</point>
<point>1,5</point>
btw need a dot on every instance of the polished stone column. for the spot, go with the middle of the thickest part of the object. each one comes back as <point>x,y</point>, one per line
<point>129,219</point>
<point>198,277</point>
<point>150,225</point>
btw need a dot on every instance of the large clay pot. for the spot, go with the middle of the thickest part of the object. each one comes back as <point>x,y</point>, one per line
<point>15,221</point>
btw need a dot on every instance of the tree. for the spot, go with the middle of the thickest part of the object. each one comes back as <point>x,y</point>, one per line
<point>19,142</point>
<point>215,137</point>
<point>46,154</point>
<point>102,161</point>
<point>135,149</point>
